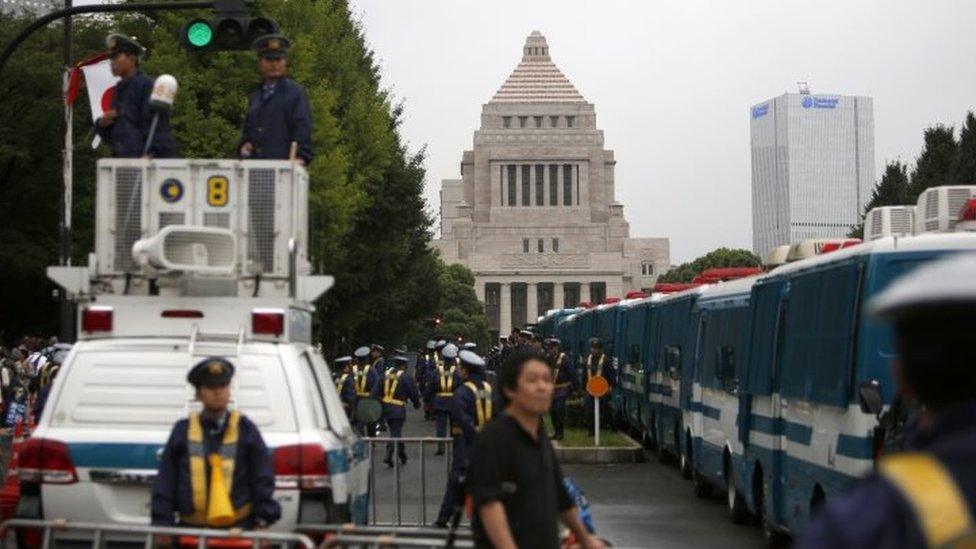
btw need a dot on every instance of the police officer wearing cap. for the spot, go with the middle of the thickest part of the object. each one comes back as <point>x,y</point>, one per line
<point>598,364</point>
<point>441,383</point>
<point>564,383</point>
<point>345,384</point>
<point>926,495</point>
<point>126,124</point>
<point>278,112</point>
<point>396,389</point>
<point>365,377</point>
<point>206,446</point>
<point>424,363</point>
<point>471,409</point>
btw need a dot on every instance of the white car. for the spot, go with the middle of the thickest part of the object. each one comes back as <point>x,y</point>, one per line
<point>93,456</point>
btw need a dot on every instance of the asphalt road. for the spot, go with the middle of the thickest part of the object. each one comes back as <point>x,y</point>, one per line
<point>638,505</point>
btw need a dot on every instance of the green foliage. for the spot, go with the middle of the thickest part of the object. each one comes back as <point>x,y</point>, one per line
<point>457,306</point>
<point>370,226</point>
<point>892,190</point>
<point>937,161</point>
<point>722,257</point>
<point>964,170</point>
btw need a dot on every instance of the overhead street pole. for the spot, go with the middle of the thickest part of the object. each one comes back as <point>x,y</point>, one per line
<point>64,235</point>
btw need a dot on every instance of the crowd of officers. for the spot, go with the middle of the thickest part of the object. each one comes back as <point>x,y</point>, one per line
<point>455,387</point>
<point>26,372</point>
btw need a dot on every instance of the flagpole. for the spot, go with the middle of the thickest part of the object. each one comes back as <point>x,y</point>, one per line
<point>67,309</point>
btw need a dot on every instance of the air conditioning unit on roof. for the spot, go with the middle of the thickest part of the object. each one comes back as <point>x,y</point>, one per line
<point>938,207</point>
<point>889,221</point>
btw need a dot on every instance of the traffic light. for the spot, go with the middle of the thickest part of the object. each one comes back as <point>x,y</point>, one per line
<point>229,30</point>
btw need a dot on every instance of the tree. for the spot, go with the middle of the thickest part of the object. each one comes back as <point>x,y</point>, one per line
<point>892,190</point>
<point>936,162</point>
<point>964,170</point>
<point>458,308</point>
<point>722,257</point>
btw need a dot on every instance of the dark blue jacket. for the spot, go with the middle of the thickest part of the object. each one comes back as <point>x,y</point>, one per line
<point>271,125</point>
<point>565,376</point>
<point>464,414</point>
<point>406,389</point>
<point>347,391</point>
<point>130,130</point>
<point>875,514</point>
<point>441,402</point>
<point>253,482</point>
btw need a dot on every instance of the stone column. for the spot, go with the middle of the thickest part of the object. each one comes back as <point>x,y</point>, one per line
<point>584,291</point>
<point>558,295</point>
<point>531,302</point>
<point>479,289</point>
<point>505,305</point>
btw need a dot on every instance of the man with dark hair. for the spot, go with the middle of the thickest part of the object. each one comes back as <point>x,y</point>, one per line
<point>126,124</point>
<point>923,497</point>
<point>515,481</point>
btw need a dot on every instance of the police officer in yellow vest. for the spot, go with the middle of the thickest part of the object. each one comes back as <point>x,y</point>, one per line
<point>471,408</point>
<point>394,390</point>
<point>345,384</point>
<point>441,382</point>
<point>925,496</point>
<point>597,364</point>
<point>215,470</point>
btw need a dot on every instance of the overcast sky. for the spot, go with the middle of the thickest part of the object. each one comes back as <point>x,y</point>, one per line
<point>672,83</point>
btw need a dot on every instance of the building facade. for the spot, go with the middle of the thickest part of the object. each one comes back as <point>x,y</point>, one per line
<point>534,214</point>
<point>812,167</point>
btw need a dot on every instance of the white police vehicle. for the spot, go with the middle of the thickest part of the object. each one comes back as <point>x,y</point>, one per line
<point>193,258</point>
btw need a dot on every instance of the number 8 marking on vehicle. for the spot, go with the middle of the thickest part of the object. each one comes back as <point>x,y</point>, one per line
<point>217,191</point>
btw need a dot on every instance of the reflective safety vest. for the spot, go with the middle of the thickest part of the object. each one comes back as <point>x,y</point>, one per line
<point>446,383</point>
<point>198,469</point>
<point>482,402</point>
<point>341,382</point>
<point>390,387</point>
<point>361,379</point>
<point>939,506</point>
<point>599,367</point>
<point>555,372</point>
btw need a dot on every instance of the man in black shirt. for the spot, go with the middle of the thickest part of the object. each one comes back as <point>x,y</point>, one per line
<point>514,479</point>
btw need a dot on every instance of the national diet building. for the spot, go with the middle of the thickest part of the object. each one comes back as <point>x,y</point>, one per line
<point>534,214</point>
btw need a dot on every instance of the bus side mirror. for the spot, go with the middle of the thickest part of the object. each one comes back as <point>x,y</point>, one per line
<point>869,393</point>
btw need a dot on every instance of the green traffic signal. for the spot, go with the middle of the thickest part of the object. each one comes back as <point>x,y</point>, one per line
<point>199,34</point>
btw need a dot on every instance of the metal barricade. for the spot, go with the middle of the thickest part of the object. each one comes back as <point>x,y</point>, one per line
<point>349,535</point>
<point>423,443</point>
<point>198,537</point>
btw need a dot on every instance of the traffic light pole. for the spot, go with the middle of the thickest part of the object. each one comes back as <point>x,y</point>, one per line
<point>43,21</point>
<point>64,234</point>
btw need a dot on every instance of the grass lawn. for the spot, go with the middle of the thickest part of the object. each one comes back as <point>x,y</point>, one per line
<point>577,436</point>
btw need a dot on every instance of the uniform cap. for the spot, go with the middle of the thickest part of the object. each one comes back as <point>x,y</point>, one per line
<point>440,344</point>
<point>944,283</point>
<point>470,345</point>
<point>342,360</point>
<point>526,333</point>
<point>376,347</point>
<point>272,46</point>
<point>400,359</point>
<point>596,341</point>
<point>471,360</point>
<point>449,351</point>
<point>210,371</point>
<point>431,345</point>
<point>120,43</point>
<point>361,352</point>
<point>552,341</point>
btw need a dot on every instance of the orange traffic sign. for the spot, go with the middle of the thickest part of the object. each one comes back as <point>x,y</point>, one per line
<point>597,386</point>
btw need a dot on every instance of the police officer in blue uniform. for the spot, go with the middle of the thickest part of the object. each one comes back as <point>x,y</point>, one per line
<point>564,383</point>
<point>425,364</point>
<point>345,384</point>
<point>926,495</point>
<point>598,363</point>
<point>365,377</point>
<point>471,408</point>
<point>182,492</point>
<point>278,113</point>
<point>394,390</point>
<point>441,382</point>
<point>126,124</point>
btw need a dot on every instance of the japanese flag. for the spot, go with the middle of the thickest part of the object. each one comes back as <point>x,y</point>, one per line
<point>99,82</point>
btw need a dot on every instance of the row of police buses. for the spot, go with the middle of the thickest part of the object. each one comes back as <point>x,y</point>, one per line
<point>768,387</point>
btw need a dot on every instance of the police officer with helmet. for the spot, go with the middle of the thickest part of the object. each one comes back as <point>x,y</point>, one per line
<point>597,364</point>
<point>564,383</point>
<point>441,383</point>
<point>397,387</point>
<point>278,112</point>
<point>365,377</point>
<point>215,471</point>
<point>924,496</point>
<point>126,124</point>
<point>471,408</point>
<point>345,384</point>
